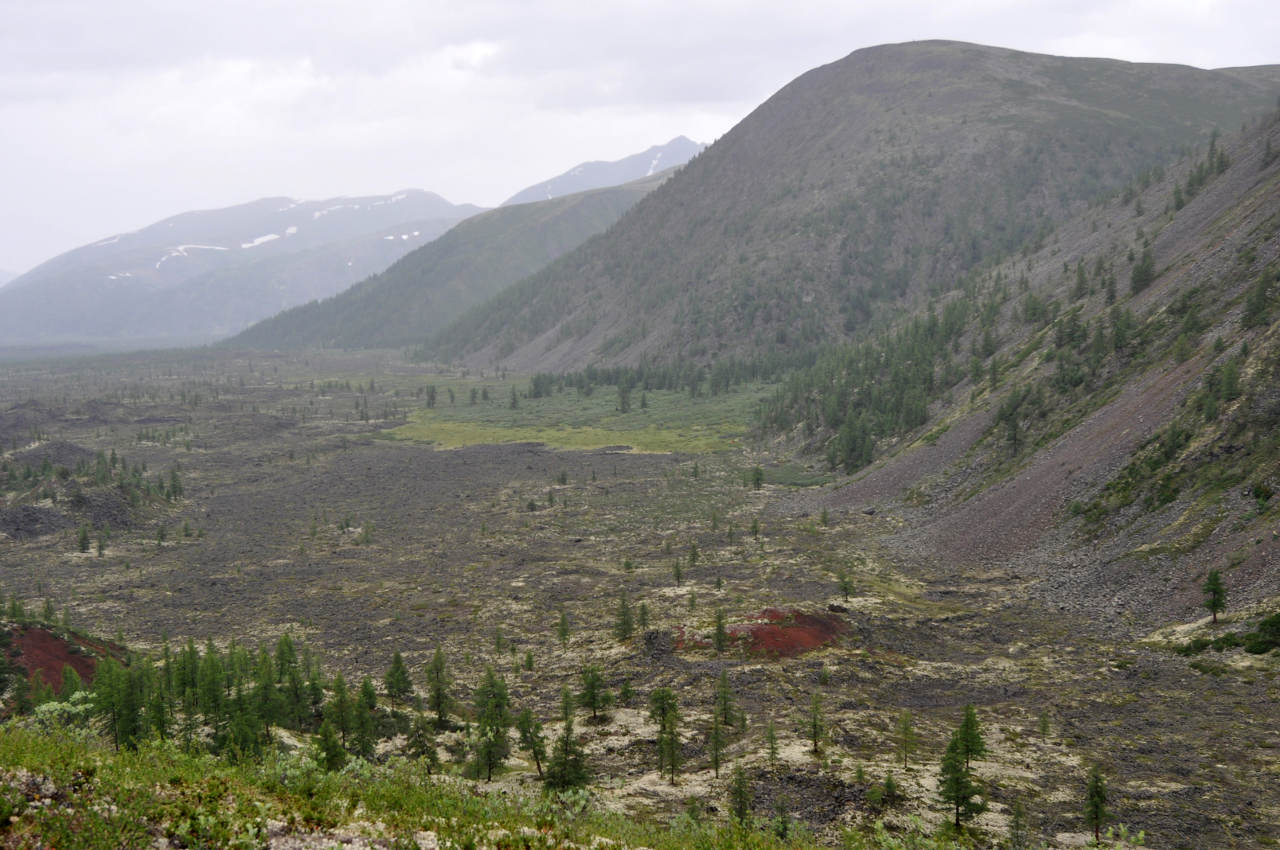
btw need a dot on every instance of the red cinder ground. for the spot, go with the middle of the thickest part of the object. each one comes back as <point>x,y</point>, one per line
<point>45,653</point>
<point>785,634</point>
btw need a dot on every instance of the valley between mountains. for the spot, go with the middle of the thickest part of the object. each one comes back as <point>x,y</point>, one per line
<point>890,475</point>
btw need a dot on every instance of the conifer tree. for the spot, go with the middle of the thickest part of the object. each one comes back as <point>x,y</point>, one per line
<point>532,739</point>
<point>971,742</point>
<point>363,733</point>
<point>1095,803</point>
<point>1215,594</point>
<point>397,681</point>
<point>906,736</point>
<point>625,625</point>
<point>438,699</point>
<point>562,628</point>
<point>724,699</point>
<point>845,585</point>
<point>815,726</point>
<point>211,685</point>
<point>740,796</point>
<point>338,712</point>
<point>567,767</point>
<point>720,635</point>
<point>1018,837</point>
<point>715,742</point>
<point>331,754</point>
<point>286,658</point>
<point>422,742</point>
<point>71,683</point>
<point>594,696</point>
<point>664,710</point>
<point>1143,272</point>
<point>955,784</point>
<point>493,720</point>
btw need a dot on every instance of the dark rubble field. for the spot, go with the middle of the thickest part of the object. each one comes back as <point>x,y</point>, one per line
<point>299,515</point>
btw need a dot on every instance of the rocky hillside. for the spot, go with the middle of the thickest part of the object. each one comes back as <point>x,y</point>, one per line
<point>200,275</point>
<point>1099,414</point>
<point>886,175</point>
<point>434,284</point>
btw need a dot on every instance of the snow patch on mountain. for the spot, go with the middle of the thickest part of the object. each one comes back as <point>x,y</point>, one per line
<point>393,199</point>
<point>181,251</point>
<point>328,210</point>
<point>261,239</point>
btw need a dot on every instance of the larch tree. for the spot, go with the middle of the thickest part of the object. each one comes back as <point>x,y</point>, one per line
<point>664,710</point>
<point>956,787</point>
<point>1215,594</point>
<point>1095,803</point>
<point>397,682</point>
<point>438,699</point>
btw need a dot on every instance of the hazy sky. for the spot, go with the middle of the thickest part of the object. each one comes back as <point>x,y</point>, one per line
<point>115,114</point>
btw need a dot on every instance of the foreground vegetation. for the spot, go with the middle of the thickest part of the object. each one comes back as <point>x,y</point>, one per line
<point>105,768</point>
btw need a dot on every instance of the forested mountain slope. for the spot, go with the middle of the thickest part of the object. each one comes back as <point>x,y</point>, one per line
<point>1100,413</point>
<point>431,286</point>
<point>885,175</point>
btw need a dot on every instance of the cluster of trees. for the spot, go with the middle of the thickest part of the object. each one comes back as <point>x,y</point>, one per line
<point>685,376</point>
<point>227,701</point>
<point>104,470</point>
<point>1228,414</point>
<point>876,390</point>
<point>1258,298</point>
<point>1214,163</point>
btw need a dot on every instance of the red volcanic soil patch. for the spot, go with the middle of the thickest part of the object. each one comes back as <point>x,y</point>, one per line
<point>785,634</point>
<point>45,653</point>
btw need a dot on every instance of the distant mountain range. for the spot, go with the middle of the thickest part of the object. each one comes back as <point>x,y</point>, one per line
<point>597,175</point>
<point>6,276</point>
<point>202,275</point>
<point>434,284</point>
<point>887,176</point>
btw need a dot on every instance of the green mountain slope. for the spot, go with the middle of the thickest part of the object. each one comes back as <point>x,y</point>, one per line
<point>431,286</point>
<point>889,173</point>
<point>1103,423</point>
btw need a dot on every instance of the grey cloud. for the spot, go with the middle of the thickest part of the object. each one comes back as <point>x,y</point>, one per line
<point>130,111</point>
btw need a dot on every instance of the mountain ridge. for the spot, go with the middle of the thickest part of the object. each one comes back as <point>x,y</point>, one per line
<point>203,273</point>
<point>598,174</point>
<point>854,184</point>
<point>431,285</point>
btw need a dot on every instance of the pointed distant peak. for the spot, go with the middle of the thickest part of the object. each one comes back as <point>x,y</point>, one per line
<point>598,175</point>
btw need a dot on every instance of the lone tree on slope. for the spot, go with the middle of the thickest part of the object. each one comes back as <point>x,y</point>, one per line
<point>1215,594</point>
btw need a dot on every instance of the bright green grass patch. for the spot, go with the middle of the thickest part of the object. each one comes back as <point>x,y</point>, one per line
<point>668,421</point>
<point>452,435</point>
<point>795,475</point>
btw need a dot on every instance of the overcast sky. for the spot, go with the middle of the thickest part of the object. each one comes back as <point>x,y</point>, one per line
<point>119,113</point>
